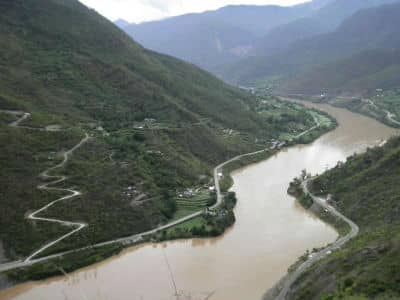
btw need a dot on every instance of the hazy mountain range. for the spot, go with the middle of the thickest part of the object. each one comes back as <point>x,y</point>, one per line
<point>256,41</point>
<point>215,37</point>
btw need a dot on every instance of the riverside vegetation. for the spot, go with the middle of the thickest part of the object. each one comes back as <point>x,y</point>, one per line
<point>296,190</point>
<point>158,126</point>
<point>365,189</point>
<point>381,105</point>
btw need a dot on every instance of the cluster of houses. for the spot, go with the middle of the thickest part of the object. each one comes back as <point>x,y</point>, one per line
<point>155,152</point>
<point>251,90</point>
<point>229,132</point>
<point>191,192</point>
<point>95,126</point>
<point>130,191</point>
<point>148,122</point>
<point>52,155</point>
<point>187,193</point>
<point>379,92</point>
<point>276,144</point>
<point>134,195</point>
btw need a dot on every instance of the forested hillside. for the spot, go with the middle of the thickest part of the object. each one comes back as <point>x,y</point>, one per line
<point>359,74</point>
<point>366,190</point>
<point>157,126</point>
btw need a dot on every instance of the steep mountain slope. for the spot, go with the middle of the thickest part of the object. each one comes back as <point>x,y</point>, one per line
<point>193,40</point>
<point>373,28</point>
<point>119,72</point>
<point>366,190</point>
<point>359,74</point>
<point>323,20</point>
<point>157,125</point>
<point>68,66</point>
<point>362,72</point>
<point>216,37</point>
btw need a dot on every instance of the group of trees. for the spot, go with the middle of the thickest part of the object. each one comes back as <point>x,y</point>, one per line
<point>366,190</point>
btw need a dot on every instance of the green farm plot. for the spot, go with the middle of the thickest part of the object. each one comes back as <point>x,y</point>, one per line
<point>196,222</point>
<point>322,119</point>
<point>188,205</point>
<point>186,230</point>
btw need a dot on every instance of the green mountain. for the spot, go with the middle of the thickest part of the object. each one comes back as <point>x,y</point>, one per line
<point>369,29</point>
<point>105,72</point>
<point>366,190</point>
<point>204,44</point>
<point>158,126</point>
<point>224,37</point>
<point>66,65</point>
<point>216,37</point>
<point>361,56</point>
<point>359,74</point>
<point>323,20</point>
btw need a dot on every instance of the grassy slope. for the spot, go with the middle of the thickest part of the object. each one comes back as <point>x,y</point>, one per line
<point>366,190</point>
<point>67,65</point>
<point>76,63</point>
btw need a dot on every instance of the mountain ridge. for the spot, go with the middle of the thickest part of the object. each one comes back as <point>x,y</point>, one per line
<point>158,127</point>
<point>214,37</point>
<point>350,38</point>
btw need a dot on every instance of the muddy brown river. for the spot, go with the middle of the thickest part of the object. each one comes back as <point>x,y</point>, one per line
<point>271,232</point>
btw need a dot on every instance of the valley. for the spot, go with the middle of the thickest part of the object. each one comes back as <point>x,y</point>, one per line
<point>58,248</point>
<point>246,152</point>
<point>383,106</point>
<point>154,135</point>
<point>270,212</point>
<point>361,188</point>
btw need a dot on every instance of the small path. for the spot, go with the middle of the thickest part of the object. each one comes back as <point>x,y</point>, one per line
<point>291,278</point>
<point>49,186</point>
<point>124,241</point>
<point>390,116</point>
<point>72,194</point>
<point>317,124</point>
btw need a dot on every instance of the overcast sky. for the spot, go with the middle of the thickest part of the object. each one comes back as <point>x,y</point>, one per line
<point>145,10</point>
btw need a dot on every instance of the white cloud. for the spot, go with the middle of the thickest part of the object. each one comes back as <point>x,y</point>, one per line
<point>146,10</point>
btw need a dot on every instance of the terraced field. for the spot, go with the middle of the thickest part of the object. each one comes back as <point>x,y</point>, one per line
<point>189,205</point>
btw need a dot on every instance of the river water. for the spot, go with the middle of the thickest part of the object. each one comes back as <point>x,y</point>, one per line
<point>271,232</point>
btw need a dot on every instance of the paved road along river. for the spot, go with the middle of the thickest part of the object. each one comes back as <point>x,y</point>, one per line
<point>270,233</point>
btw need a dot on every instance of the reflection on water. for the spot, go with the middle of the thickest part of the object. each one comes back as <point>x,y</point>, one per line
<point>271,231</point>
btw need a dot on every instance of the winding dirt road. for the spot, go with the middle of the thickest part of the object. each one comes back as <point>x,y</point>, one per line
<point>291,278</point>
<point>390,116</point>
<point>31,260</point>
<point>50,187</point>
